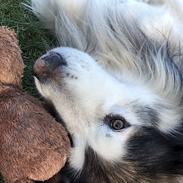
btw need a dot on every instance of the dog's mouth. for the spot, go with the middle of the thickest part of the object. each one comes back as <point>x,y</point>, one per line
<point>47,65</point>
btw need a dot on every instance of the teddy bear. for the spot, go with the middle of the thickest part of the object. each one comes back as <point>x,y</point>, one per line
<point>33,145</point>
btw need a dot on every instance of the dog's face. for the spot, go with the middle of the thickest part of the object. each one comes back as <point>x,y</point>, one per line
<point>116,117</point>
<point>121,95</point>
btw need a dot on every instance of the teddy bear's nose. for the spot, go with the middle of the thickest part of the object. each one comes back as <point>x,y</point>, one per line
<point>47,64</point>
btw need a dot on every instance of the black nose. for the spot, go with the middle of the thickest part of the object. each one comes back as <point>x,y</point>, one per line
<point>46,65</point>
<point>54,60</point>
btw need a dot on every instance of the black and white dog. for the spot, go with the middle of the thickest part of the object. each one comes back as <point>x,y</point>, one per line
<point>117,82</point>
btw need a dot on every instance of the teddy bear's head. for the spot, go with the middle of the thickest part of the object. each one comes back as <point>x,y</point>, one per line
<point>11,63</point>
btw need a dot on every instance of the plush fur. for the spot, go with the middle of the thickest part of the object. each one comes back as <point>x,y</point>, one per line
<point>33,146</point>
<point>118,59</point>
<point>8,39</point>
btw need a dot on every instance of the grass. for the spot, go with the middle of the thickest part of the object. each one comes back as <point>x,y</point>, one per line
<point>33,39</point>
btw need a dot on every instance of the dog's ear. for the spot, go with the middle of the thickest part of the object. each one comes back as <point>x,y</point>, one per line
<point>11,63</point>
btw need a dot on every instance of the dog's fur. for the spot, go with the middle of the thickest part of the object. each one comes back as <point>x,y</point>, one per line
<point>126,61</point>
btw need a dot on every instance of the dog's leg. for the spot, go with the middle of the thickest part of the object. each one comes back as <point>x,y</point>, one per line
<point>158,22</point>
<point>73,20</point>
<point>165,22</point>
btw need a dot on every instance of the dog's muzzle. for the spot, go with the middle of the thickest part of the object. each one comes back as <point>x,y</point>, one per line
<point>47,64</point>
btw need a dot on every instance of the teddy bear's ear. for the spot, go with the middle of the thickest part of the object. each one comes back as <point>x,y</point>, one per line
<point>11,63</point>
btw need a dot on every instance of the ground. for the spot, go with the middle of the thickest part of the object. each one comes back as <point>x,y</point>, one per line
<point>33,39</point>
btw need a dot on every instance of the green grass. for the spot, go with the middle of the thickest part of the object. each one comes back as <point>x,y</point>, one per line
<point>33,39</point>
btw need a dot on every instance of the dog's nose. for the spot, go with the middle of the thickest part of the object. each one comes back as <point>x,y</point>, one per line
<point>54,60</point>
<point>47,64</point>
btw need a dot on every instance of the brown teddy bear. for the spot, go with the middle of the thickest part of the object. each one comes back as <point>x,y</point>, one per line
<point>33,146</point>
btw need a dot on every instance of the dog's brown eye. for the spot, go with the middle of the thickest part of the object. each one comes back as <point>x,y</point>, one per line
<point>116,122</point>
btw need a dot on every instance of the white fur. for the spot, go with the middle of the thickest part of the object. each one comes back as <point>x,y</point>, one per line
<point>77,156</point>
<point>92,95</point>
<point>116,83</point>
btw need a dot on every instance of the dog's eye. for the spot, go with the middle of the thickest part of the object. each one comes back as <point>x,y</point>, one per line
<point>116,122</point>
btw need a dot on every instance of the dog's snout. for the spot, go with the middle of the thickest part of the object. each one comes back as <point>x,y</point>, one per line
<point>45,65</point>
<point>54,60</point>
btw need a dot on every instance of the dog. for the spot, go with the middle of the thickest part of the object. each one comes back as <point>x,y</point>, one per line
<point>117,82</point>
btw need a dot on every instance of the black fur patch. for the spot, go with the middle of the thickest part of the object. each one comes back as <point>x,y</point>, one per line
<point>147,114</point>
<point>150,156</point>
<point>155,153</point>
